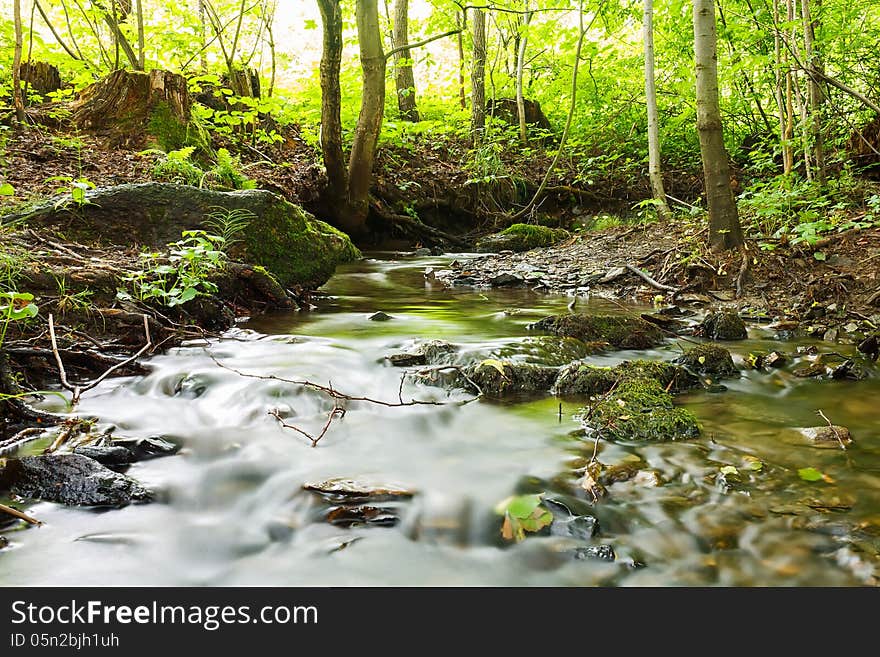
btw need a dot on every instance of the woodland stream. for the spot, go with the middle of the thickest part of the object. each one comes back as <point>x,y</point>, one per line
<point>232,510</point>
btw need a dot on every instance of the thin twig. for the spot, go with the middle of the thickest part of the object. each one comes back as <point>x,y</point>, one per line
<point>337,410</point>
<point>833,429</point>
<point>650,281</point>
<point>18,514</point>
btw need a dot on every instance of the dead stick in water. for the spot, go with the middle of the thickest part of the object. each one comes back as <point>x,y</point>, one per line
<point>833,429</point>
<point>18,514</point>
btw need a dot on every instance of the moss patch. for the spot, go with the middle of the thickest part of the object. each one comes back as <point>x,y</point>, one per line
<point>724,325</point>
<point>639,408</point>
<point>497,379</point>
<point>579,380</point>
<point>522,237</point>
<point>709,359</point>
<point>619,331</point>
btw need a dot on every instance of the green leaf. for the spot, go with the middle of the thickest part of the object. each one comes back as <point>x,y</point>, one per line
<point>729,470</point>
<point>754,465</point>
<point>819,255</point>
<point>810,474</point>
<point>7,190</point>
<point>523,506</point>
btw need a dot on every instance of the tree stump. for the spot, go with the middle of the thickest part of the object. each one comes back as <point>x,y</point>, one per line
<point>132,108</point>
<point>41,77</point>
<point>243,82</point>
<point>505,108</point>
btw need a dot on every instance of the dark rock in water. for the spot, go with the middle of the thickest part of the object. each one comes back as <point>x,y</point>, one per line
<point>620,331</point>
<point>422,252</point>
<point>70,479</point>
<point>811,370</point>
<point>775,359</point>
<point>595,552</point>
<point>709,359</point>
<point>828,436</point>
<point>497,379</point>
<point>520,237</point>
<point>380,317</point>
<point>665,322</point>
<point>724,325</point>
<point>505,280</point>
<point>129,450</point>
<point>346,516</point>
<point>870,346</point>
<point>430,352</point>
<point>3,542</point>
<point>579,380</point>
<point>580,527</point>
<point>847,370</point>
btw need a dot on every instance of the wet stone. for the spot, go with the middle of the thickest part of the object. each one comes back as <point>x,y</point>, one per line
<point>505,280</point>
<point>123,451</point>
<point>347,516</point>
<point>426,353</point>
<point>352,489</point>
<point>828,436</point>
<point>595,553</point>
<point>724,325</point>
<point>380,317</point>
<point>582,528</point>
<point>497,379</point>
<point>3,542</point>
<point>709,359</point>
<point>71,479</point>
<point>620,331</point>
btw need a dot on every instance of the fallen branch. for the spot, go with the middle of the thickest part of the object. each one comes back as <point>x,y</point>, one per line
<point>833,429</point>
<point>743,272</point>
<point>18,514</point>
<point>78,390</point>
<point>337,410</point>
<point>650,281</point>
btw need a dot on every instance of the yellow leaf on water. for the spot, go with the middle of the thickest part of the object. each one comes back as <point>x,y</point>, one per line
<point>497,364</point>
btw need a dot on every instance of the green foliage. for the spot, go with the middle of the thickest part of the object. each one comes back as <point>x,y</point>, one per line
<point>229,224</point>
<point>522,514</point>
<point>176,167</point>
<point>15,307</point>
<point>181,276</point>
<point>227,173</point>
<point>810,474</point>
<point>75,187</point>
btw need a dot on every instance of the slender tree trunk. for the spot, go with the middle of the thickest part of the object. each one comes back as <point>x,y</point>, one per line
<point>203,35</point>
<point>17,99</point>
<point>478,76</point>
<point>403,71</point>
<point>779,91</point>
<point>788,136</point>
<point>815,96</point>
<point>142,55</point>
<point>363,148</point>
<point>655,173</point>
<point>724,227</point>
<point>331,100</point>
<point>269,19</point>
<point>461,24</point>
<point>520,65</point>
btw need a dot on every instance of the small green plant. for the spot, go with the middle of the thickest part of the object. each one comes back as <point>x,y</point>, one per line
<point>176,166</point>
<point>15,307</point>
<point>71,301</point>
<point>75,187</point>
<point>229,224</point>
<point>227,173</point>
<point>182,275</point>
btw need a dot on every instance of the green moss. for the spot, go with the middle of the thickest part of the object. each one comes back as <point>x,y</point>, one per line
<point>590,381</point>
<point>584,380</point>
<point>297,248</point>
<point>522,237</point>
<point>516,379</point>
<point>709,359</point>
<point>170,133</point>
<point>639,408</point>
<point>724,325</point>
<point>619,331</point>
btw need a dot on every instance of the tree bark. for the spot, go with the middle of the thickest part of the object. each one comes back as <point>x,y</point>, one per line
<point>363,148</point>
<point>17,99</point>
<point>655,173</point>
<point>403,71</point>
<point>461,23</point>
<point>331,100</point>
<point>724,227</point>
<point>520,65</point>
<point>142,56</point>
<point>478,76</point>
<point>815,96</point>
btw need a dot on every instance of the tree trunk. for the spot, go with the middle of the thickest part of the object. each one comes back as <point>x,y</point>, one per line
<point>724,227</point>
<point>363,148</point>
<point>654,172</point>
<point>142,56</point>
<point>520,65</point>
<point>17,99</point>
<point>42,77</point>
<point>203,36</point>
<point>403,72</point>
<point>478,76</point>
<point>778,91</point>
<point>331,101</point>
<point>461,23</point>
<point>131,108</point>
<point>815,96</point>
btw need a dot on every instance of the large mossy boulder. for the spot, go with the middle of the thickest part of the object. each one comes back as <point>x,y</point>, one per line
<point>582,380</point>
<point>498,379</point>
<point>521,237</point>
<point>709,359</point>
<point>620,331</point>
<point>293,245</point>
<point>724,325</point>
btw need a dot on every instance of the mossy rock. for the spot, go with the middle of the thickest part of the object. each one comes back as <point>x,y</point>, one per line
<point>620,331</point>
<point>521,237</point>
<point>580,380</point>
<point>709,359</point>
<point>293,245</point>
<point>724,325</point>
<point>639,408</point>
<point>498,379</point>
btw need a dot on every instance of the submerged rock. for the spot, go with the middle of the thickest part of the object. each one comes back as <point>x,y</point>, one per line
<point>621,331</point>
<point>724,325</point>
<point>380,317</point>
<point>828,436</point>
<point>521,237</point>
<point>351,489</point>
<point>71,479</point>
<point>709,359</point>
<point>425,353</point>
<point>595,552</point>
<point>3,542</point>
<point>128,450</point>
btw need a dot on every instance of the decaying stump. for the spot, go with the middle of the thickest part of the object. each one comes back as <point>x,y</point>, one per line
<point>133,108</point>
<point>243,82</point>
<point>505,108</point>
<point>41,77</point>
<point>864,145</point>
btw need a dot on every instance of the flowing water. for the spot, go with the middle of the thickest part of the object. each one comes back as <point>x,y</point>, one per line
<point>233,511</point>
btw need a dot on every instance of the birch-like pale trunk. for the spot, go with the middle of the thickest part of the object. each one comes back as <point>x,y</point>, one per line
<point>520,66</point>
<point>814,93</point>
<point>478,76</point>
<point>17,99</point>
<point>655,174</point>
